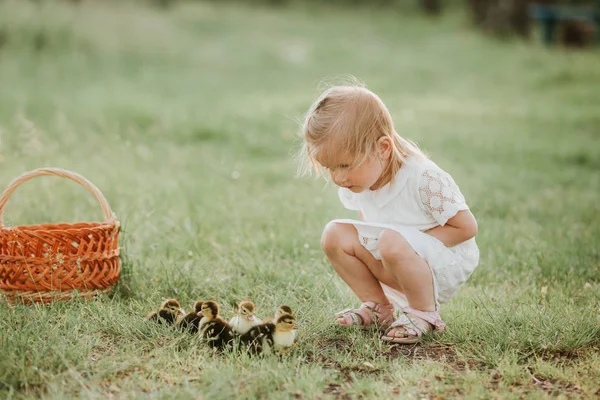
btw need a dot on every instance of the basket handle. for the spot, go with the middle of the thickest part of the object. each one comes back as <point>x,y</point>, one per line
<point>106,210</point>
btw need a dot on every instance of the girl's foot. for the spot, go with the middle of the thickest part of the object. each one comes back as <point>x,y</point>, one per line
<point>411,326</point>
<point>367,314</point>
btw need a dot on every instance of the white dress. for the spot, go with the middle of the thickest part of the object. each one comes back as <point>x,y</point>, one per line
<point>420,197</point>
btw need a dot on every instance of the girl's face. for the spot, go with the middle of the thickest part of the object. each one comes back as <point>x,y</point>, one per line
<point>360,178</point>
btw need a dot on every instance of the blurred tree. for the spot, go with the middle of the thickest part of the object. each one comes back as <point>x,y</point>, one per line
<point>502,17</point>
<point>433,7</point>
<point>573,22</point>
<point>578,33</point>
<point>506,17</point>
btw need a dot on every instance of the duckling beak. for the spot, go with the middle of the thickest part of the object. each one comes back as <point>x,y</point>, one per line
<point>250,317</point>
<point>181,311</point>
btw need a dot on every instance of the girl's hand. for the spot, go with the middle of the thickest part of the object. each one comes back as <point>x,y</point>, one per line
<point>458,229</point>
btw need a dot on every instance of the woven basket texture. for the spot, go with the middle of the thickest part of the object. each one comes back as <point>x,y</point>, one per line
<point>55,262</point>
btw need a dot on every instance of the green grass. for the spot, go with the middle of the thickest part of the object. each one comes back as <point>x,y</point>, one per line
<point>186,119</point>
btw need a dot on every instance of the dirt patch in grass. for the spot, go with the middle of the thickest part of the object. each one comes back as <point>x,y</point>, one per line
<point>347,372</point>
<point>563,355</point>
<point>443,354</point>
<point>554,386</point>
<point>448,356</point>
<point>338,391</point>
<point>439,353</point>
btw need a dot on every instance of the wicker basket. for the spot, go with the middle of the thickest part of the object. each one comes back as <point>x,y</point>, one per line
<point>54,262</point>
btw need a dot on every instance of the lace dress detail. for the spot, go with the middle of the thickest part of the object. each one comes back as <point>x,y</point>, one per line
<point>440,196</point>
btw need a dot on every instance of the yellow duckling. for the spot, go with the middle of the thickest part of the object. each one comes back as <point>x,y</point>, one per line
<point>285,333</point>
<point>268,336</point>
<point>282,309</point>
<point>244,318</point>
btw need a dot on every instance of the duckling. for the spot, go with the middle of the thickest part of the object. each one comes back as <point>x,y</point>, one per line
<point>285,333</point>
<point>282,309</point>
<point>213,328</point>
<point>268,336</point>
<point>169,311</point>
<point>259,339</point>
<point>191,320</point>
<point>244,319</point>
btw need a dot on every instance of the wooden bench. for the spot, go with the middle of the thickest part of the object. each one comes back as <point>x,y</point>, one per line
<point>550,16</point>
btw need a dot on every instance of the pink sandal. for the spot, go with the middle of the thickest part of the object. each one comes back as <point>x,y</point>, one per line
<point>412,325</point>
<point>367,314</point>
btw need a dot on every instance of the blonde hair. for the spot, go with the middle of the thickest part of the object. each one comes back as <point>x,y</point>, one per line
<point>355,119</point>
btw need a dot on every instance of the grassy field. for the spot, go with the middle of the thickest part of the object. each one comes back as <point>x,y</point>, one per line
<point>186,119</point>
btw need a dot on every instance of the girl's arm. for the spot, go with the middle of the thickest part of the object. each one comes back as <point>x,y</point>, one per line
<point>458,229</point>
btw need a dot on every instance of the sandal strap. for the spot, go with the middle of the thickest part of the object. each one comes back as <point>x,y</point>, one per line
<point>355,318</point>
<point>407,324</point>
<point>433,317</point>
<point>381,314</point>
<point>369,312</point>
<point>360,316</point>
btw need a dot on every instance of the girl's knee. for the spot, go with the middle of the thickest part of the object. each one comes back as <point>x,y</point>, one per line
<point>393,246</point>
<point>334,238</point>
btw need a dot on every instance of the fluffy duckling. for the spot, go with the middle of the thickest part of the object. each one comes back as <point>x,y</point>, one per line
<point>169,311</point>
<point>279,336</point>
<point>259,339</point>
<point>285,333</point>
<point>282,309</point>
<point>244,318</point>
<point>191,320</point>
<point>213,328</point>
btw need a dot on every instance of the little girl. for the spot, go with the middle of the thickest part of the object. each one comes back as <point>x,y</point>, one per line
<point>414,245</point>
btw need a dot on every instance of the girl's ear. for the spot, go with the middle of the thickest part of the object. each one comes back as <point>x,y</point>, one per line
<point>384,147</point>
